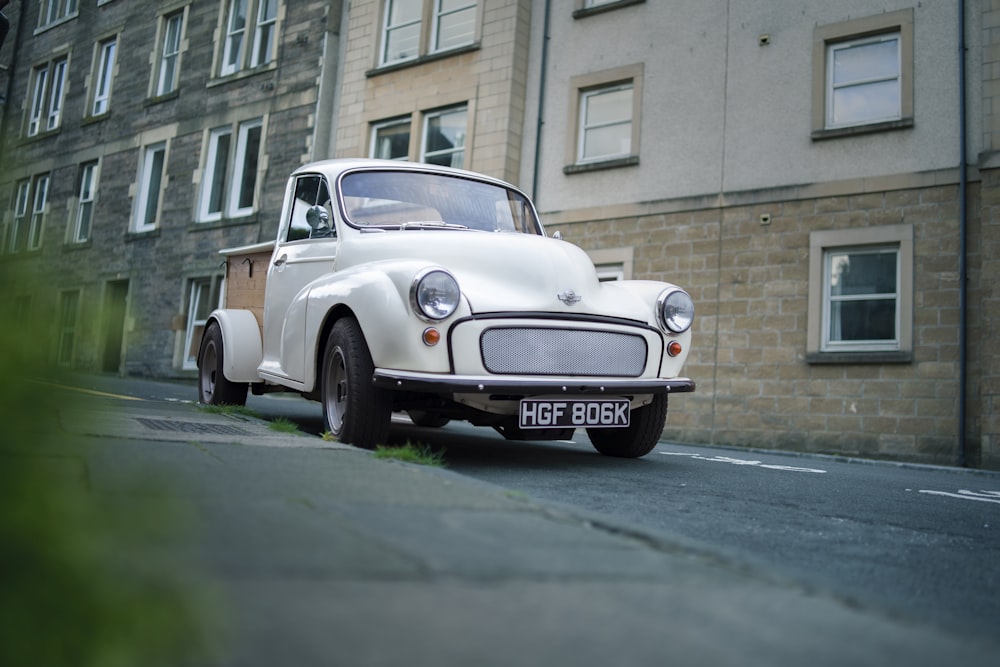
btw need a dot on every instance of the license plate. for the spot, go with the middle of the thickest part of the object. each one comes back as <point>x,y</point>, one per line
<point>562,413</point>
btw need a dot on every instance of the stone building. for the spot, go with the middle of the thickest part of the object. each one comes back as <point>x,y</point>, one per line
<point>821,176</point>
<point>137,140</point>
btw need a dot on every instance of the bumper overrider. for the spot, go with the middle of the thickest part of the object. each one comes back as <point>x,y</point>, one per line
<point>468,384</point>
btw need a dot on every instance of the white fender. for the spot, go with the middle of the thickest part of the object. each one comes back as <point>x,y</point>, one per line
<point>241,345</point>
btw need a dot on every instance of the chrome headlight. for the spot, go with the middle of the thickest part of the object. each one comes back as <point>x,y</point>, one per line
<point>434,294</point>
<point>674,310</point>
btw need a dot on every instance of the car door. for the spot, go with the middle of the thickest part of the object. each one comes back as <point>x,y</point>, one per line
<point>305,250</point>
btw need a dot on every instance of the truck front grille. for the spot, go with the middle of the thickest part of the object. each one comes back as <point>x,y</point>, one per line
<point>551,351</point>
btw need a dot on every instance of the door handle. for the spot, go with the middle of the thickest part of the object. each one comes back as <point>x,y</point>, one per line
<point>281,260</point>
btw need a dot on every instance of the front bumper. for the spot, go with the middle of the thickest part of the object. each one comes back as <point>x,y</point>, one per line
<point>434,383</point>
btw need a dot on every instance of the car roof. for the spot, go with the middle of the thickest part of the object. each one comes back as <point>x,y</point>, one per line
<point>333,168</point>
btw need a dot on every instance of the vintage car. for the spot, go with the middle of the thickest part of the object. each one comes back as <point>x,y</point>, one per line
<point>405,287</point>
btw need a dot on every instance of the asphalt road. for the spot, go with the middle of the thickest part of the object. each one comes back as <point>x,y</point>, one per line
<point>917,542</point>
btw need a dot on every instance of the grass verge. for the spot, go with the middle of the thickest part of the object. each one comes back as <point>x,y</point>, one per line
<point>410,453</point>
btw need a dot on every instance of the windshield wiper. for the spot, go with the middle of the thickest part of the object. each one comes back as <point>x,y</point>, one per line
<point>431,224</point>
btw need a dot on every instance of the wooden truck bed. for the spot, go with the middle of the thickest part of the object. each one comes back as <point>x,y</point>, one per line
<point>246,273</point>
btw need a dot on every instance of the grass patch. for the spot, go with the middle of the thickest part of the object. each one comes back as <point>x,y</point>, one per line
<point>410,453</point>
<point>282,425</point>
<point>241,410</point>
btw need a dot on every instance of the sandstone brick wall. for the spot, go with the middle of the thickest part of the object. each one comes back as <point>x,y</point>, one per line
<point>750,284</point>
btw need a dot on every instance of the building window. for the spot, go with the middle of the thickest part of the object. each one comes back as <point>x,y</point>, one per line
<point>404,33</point>
<point>56,10</point>
<point>103,73</point>
<point>250,31</point>
<point>32,240</point>
<point>230,182</point>
<point>605,123</point>
<point>605,115</point>
<point>69,316</point>
<point>444,137</point>
<point>18,231</point>
<point>168,64</point>
<point>84,218</point>
<point>863,75</point>
<point>48,85</point>
<point>203,296</point>
<point>860,299</point>
<point>391,139</point>
<point>151,169</point>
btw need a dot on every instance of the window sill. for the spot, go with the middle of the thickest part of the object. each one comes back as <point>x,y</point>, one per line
<point>600,165</point>
<point>856,130</point>
<point>72,246</point>
<point>422,60</point>
<point>821,358</point>
<point>139,236</point>
<point>90,120</point>
<point>600,9</point>
<point>242,74</point>
<point>206,225</point>
<point>165,97</point>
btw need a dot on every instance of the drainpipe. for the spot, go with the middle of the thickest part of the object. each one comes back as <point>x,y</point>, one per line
<point>962,240</point>
<point>541,100</point>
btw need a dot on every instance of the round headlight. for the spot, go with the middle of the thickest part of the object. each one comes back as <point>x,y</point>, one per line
<point>435,294</point>
<point>675,310</point>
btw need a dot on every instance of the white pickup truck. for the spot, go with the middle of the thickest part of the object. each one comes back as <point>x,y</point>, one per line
<point>395,286</point>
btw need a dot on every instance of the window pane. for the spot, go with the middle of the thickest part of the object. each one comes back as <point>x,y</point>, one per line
<point>867,320</point>
<point>105,67</point>
<point>866,103</point>
<point>86,204</point>
<point>864,62</point>
<point>168,61</point>
<point>56,97</point>
<point>38,100</point>
<point>863,273</point>
<point>250,149</point>
<point>217,168</point>
<point>455,23</point>
<point>609,106</point>
<point>402,30</point>
<point>607,141</point>
<point>38,213</point>
<point>444,139</point>
<point>404,11</point>
<point>235,27</point>
<point>152,177</point>
<point>392,142</point>
<point>264,37</point>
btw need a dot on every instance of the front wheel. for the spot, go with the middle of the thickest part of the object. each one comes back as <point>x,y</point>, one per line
<point>641,435</point>
<point>213,386</point>
<point>354,409</point>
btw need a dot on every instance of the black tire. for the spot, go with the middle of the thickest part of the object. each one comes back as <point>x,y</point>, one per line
<point>639,438</point>
<point>355,410</point>
<point>213,386</point>
<point>427,419</point>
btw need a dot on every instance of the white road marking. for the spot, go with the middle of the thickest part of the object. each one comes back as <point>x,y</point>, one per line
<point>965,494</point>
<point>742,462</point>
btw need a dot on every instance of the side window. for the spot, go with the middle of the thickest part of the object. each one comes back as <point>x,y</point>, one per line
<point>310,191</point>
<point>167,72</point>
<point>102,75</point>
<point>863,75</point>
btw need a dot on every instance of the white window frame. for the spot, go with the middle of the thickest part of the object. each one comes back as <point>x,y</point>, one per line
<point>891,238</point>
<point>832,87</point>
<point>830,301</point>
<point>373,148</point>
<point>54,11</point>
<point>48,89</point>
<point>22,197</point>
<point>104,75</point>
<point>83,224</point>
<point>459,149</point>
<point>242,164</point>
<point>70,302</point>
<point>249,40</point>
<point>224,171</point>
<point>213,194</point>
<point>39,206</point>
<point>171,46</point>
<point>150,190</point>
<point>441,14</point>
<point>195,326</point>
<point>265,34</point>
<point>428,30</point>
<point>585,126</point>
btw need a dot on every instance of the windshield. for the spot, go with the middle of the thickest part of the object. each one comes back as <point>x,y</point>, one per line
<point>420,200</point>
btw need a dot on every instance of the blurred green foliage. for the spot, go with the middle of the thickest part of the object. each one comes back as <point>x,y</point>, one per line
<point>84,579</point>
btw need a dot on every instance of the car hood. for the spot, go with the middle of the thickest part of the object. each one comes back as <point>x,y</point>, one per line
<point>508,272</point>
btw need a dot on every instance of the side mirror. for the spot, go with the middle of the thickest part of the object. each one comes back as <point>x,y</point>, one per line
<point>319,220</point>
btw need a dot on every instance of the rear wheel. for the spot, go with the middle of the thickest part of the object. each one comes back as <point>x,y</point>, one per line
<point>639,438</point>
<point>354,409</point>
<point>213,387</point>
